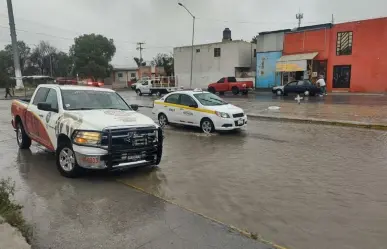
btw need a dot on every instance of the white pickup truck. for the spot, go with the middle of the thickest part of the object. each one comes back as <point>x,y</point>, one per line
<point>87,127</point>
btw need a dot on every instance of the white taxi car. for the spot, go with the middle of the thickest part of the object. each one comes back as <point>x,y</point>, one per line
<point>199,108</point>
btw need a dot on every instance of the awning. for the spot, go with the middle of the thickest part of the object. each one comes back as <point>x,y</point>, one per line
<point>294,62</point>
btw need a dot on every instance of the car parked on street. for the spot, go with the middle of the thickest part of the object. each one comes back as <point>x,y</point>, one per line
<point>87,127</point>
<point>228,84</point>
<point>199,108</point>
<point>297,87</point>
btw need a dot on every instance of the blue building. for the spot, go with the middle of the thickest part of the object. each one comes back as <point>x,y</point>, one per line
<point>269,50</point>
<point>267,76</point>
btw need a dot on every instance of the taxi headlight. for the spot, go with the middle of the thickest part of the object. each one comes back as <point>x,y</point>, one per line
<point>87,137</point>
<point>222,114</point>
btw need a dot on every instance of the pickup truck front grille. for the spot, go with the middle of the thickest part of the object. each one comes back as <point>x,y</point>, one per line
<point>131,144</point>
<point>238,115</point>
<point>129,138</point>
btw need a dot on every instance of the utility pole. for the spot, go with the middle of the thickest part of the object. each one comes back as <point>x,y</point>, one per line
<point>140,48</point>
<point>16,58</point>
<point>50,65</point>
<point>299,17</point>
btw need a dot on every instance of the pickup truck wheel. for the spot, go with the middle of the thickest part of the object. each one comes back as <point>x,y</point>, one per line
<point>23,140</point>
<point>212,90</point>
<point>235,90</point>
<point>139,93</point>
<point>66,162</point>
<point>207,126</point>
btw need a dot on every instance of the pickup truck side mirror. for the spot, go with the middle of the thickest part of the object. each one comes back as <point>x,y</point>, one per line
<point>43,106</point>
<point>134,107</point>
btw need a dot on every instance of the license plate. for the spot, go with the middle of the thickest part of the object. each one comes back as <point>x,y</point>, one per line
<point>134,157</point>
<point>241,122</point>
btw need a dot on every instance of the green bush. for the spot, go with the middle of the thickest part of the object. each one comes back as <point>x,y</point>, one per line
<point>10,211</point>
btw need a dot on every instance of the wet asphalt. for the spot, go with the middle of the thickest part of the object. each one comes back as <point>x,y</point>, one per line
<point>299,185</point>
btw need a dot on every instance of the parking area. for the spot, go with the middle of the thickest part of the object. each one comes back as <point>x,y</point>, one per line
<point>302,186</point>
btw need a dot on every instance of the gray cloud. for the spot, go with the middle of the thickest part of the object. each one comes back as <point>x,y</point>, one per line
<point>162,24</point>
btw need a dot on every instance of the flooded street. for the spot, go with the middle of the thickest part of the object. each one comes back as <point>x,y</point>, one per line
<point>300,185</point>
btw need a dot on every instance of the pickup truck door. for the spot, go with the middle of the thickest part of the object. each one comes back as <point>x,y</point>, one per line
<point>222,85</point>
<point>145,87</point>
<point>51,117</point>
<point>169,109</point>
<point>34,118</point>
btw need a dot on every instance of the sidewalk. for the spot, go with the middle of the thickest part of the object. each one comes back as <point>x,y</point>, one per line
<point>366,112</point>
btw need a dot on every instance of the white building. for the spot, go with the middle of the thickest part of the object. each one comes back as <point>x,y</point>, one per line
<point>213,61</point>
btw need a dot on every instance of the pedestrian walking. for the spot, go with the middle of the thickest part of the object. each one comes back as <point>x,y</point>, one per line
<point>323,86</point>
<point>7,90</point>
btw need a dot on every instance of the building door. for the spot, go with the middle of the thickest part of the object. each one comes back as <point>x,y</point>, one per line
<point>342,76</point>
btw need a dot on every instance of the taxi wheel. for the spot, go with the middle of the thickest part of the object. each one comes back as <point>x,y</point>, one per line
<point>163,120</point>
<point>207,126</point>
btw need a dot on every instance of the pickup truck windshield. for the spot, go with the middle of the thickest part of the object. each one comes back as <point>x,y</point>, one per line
<point>209,99</point>
<point>91,100</point>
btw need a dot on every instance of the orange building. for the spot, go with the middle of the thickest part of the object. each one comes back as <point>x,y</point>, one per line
<point>351,56</point>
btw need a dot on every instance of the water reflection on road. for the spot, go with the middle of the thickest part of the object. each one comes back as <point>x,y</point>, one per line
<point>302,186</point>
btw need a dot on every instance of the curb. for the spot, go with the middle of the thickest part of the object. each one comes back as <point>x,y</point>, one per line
<point>320,121</point>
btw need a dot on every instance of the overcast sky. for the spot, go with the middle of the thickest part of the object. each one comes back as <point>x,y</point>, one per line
<point>162,24</point>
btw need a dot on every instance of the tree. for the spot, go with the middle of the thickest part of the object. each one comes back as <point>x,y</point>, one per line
<point>166,61</point>
<point>139,62</point>
<point>41,57</point>
<point>91,55</point>
<point>24,54</point>
<point>254,39</point>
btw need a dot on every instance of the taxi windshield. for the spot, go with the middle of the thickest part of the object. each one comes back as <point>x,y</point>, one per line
<point>91,100</point>
<point>209,99</point>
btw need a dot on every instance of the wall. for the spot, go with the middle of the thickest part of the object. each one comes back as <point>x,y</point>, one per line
<point>206,67</point>
<point>266,70</point>
<point>270,42</point>
<point>369,55</point>
<point>126,75</point>
<point>307,42</point>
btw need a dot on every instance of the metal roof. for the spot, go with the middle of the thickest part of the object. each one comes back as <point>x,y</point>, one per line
<point>297,57</point>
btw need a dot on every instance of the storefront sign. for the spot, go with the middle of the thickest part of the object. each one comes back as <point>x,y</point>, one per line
<point>291,66</point>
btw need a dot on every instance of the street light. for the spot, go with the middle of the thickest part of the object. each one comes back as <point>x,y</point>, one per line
<point>193,37</point>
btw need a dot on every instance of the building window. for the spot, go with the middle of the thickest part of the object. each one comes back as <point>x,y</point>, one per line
<point>120,75</point>
<point>255,53</point>
<point>344,43</point>
<point>198,50</point>
<point>216,52</point>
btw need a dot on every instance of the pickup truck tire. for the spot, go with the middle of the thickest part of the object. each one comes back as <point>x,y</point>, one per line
<point>139,93</point>
<point>212,90</point>
<point>23,140</point>
<point>235,90</point>
<point>207,125</point>
<point>66,161</point>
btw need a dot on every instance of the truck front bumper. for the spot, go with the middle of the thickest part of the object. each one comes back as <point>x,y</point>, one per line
<point>105,158</point>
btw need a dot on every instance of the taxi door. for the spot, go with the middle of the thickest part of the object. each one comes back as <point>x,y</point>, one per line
<point>186,113</point>
<point>169,107</point>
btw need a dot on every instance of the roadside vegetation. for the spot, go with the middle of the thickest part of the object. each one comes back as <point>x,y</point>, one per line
<point>10,211</point>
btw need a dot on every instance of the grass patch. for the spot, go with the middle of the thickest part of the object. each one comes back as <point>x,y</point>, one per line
<point>10,211</point>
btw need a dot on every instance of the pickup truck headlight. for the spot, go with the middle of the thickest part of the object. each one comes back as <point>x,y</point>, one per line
<point>222,114</point>
<point>87,137</point>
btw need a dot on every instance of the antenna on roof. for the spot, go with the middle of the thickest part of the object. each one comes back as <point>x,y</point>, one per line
<point>299,16</point>
<point>333,19</point>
